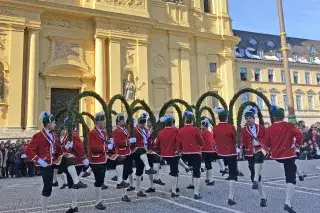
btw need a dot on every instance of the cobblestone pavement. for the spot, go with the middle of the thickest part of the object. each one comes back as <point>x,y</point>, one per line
<point>23,195</point>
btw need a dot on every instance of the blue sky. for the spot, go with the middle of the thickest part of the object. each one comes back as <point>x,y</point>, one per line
<point>301,17</point>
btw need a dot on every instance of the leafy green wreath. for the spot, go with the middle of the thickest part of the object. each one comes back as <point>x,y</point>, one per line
<point>242,108</point>
<point>89,115</point>
<point>243,91</point>
<point>201,99</point>
<point>145,108</point>
<point>128,109</point>
<point>75,101</point>
<point>206,108</point>
<point>212,122</point>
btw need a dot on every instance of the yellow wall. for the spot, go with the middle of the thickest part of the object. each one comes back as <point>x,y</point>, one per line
<point>278,88</point>
<point>166,46</point>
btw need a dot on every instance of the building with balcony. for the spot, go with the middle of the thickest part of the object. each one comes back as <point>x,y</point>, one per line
<point>156,50</point>
<point>259,66</point>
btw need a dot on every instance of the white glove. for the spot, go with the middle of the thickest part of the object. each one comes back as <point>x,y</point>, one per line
<point>69,145</point>
<point>111,141</point>
<point>42,163</point>
<point>132,140</point>
<point>85,162</point>
<point>293,146</point>
<point>110,146</point>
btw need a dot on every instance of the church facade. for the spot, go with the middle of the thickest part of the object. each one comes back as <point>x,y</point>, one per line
<point>155,50</point>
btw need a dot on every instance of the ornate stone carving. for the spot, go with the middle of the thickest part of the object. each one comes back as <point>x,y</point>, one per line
<point>48,92</point>
<point>135,4</point>
<point>158,61</point>
<point>67,51</point>
<point>3,44</point>
<point>3,111</point>
<point>5,12</point>
<point>130,57</point>
<point>47,21</point>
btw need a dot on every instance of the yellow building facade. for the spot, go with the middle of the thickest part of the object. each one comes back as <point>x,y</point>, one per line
<point>259,66</point>
<point>51,50</point>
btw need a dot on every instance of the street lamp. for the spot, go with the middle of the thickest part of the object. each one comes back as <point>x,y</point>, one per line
<point>284,49</point>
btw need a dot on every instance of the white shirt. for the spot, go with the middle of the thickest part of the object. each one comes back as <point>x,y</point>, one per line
<point>145,137</point>
<point>51,139</point>
<point>253,131</point>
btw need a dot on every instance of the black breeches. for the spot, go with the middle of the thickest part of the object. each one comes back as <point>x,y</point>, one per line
<point>208,158</point>
<point>194,160</point>
<point>47,178</point>
<point>232,163</point>
<point>290,169</point>
<point>99,171</point>
<point>173,163</point>
<point>127,166</point>
<point>69,178</point>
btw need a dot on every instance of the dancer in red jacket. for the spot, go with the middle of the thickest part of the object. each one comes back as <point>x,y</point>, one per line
<point>225,140</point>
<point>190,142</point>
<point>252,140</point>
<point>209,153</point>
<point>282,139</point>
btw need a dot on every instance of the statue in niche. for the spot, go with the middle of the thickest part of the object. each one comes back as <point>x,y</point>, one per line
<point>2,85</point>
<point>129,88</point>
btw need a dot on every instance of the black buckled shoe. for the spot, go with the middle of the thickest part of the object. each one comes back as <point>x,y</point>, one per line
<point>197,197</point>
<point>174,194</point>
<point>55,184</point>
<point>263,202</point>
<point>151,171</point>
<point>63,186</point>
<point>301,178</point>
<point>86,174</point>
<point>210,183</point>
<point>177,190</point>
<point>231,202</point>
<point>141,194</point>
<point>151,190</point>
<point>123,185</point>
<point>100,206</point>
<point>223,172</point>
<point>72,210</point>
<point>126,199</point>
<point>104,187</point>
<point>207,181</point>
<point>80,185</point>
<point>159,182</point>
<point>190,187</point>
<point>189,169</point>
<point>255,185</point>
<point>115,178</point>
<point>288,209</point>
<point>131,188</point>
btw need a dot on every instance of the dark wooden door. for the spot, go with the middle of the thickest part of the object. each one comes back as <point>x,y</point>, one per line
<point>60,98</point>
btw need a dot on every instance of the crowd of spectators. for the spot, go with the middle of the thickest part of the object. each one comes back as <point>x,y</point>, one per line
<point>13,161</point>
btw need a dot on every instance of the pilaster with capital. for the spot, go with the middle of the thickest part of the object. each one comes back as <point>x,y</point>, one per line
<point>99,70</point>
<point>33,69</point>
<point>175,71</point>
<point>185,74</point>
<point>143,86</point>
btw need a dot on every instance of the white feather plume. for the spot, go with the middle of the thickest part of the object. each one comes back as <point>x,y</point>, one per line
<point>100,113</point>
<point>43,115</point>
<point>254,110</point>
<point>218,109</point>
<point>144,115</point>
<point>163,119</point>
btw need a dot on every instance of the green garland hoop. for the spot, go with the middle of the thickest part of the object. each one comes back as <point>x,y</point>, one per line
<point>146,108</point>
<point>201,99</point>
<point>128,109</point>
<point>210,111</point>
<point>243,91</point>
<point>212,122</point>
<point>75,101</point>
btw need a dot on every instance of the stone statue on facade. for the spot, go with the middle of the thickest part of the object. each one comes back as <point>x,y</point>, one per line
<point>129,88</point>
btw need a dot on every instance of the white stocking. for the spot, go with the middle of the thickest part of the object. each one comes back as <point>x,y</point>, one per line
<point>105,182</point>
<point>289,193</point>
<point>63,176</point>
<point>89,170</point>
<point>232,186</point>
<point>97,194</point>
<point>156,167</point>
<point>130,179</point>
<point>74,194</point>
<point>207,174</point>
<point>55,173</point>
<point>210,175</point>
<point>119,170</point>
<point>177,181</point>
<point>44,204</point>
<point>173,181</point>
<point>196,186</point>
<point>181,163</point>
<point>257,170</point>
<point>151,181</point>
<point>73,173</point>
<point>145,161</point>
<point>124,192</point>
<point>299,172</point>
<point>138,183</point>
<point>192,179</point>
<point>261,191</point>
<point>221,164</point>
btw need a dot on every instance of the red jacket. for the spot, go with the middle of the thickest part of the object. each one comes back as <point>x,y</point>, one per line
<point>96,146</point>
<point>41,146</point>
<point>280,139</point>
<point>167,141</point>
<point>121,141</point>
<point>208,145</point>
<point>152,145</point>
<point>225,139</point>
<point>190,140</point>
<point>139,133</point>
<point>247,139</point>
<point>77,149</point>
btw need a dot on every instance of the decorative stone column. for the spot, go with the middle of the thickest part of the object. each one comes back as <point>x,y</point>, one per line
<point>99,70</point>
<point>185,74</point>
<point>33,67</point>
